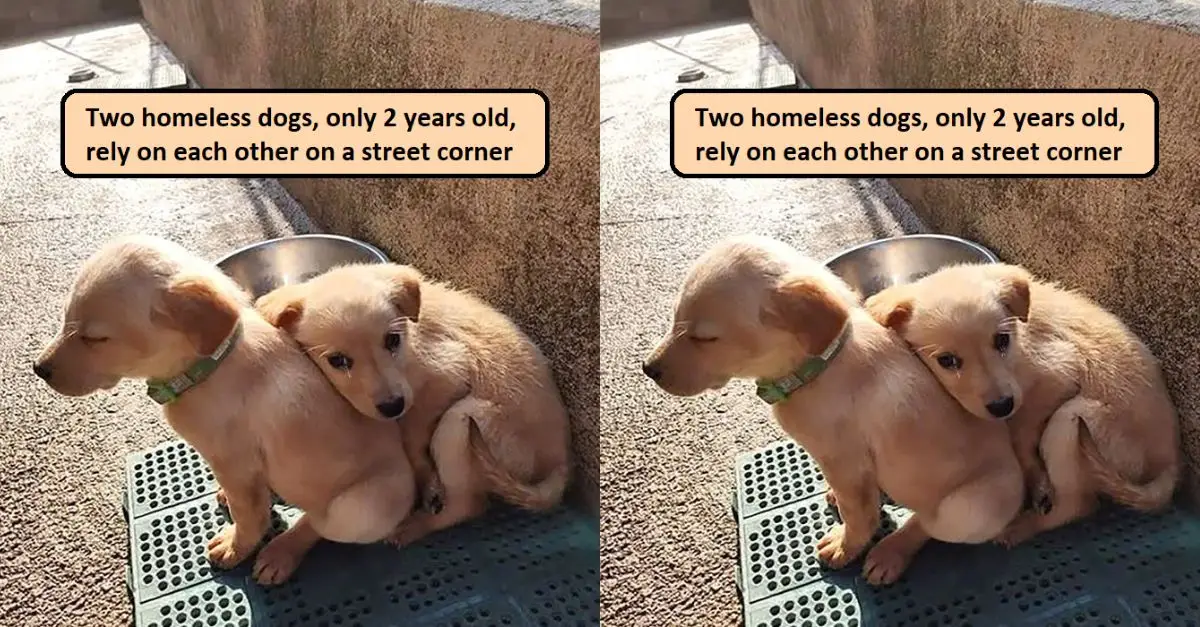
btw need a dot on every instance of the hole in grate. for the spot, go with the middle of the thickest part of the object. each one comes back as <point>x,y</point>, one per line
<point>569,601</point>
<point>778,476</point>
<point>1050,579</point>
<point>826,606</point>
<point>451,579</point>
<point>782,550</point>
<point>1173,600</point>
<point>171,548</point>
<point>169,476</point>
<point>218,607</point>
<point>898,605</point>
<point>289,607</point>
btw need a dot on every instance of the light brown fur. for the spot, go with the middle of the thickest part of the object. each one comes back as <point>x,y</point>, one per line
<point>1081,382</point>
<point>875,419</point>
<point>481,412</point>
<point>264,420</point>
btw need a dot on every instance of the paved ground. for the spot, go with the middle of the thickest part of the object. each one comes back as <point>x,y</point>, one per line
<point>668,541</point>
<point>62,537</point>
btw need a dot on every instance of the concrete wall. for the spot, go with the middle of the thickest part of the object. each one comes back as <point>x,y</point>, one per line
<point>629,20</point>
<point>20,19</point>
<point>529,246</point>
<point>1132,244</point>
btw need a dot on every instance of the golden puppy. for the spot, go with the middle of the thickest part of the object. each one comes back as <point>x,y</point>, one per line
<point>239,391</point>
<point>847,390</point>
<point>474,396</point>
<point>1066,374</point>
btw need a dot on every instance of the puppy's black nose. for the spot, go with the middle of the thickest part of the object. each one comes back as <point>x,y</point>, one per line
<point>42,371</point>
<point>651,371</point>
<point>391,408</point>
<point>1001,408</point>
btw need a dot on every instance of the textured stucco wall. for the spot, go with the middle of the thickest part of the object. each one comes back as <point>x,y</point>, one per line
<point>531,247</point>
<point>1132,244</point>
<point>20,19</point>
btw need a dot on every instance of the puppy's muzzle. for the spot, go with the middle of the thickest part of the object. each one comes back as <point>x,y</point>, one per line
<point>391,408</point>
<point>43,371</point>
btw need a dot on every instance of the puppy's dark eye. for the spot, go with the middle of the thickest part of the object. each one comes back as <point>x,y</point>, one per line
<point>339,361</point>
<point>391,341</point>
<point>1001,341</point>
<point>704,340</point>
<point>92,341</point>
<point>949,361</point>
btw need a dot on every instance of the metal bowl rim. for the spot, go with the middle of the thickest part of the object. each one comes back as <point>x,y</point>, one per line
<point>987,254</point>
<point>264,243</point>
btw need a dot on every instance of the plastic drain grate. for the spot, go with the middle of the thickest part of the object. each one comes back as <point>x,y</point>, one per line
<point>1115,568</point>
<point>510,568</point>
<point>166,475</point>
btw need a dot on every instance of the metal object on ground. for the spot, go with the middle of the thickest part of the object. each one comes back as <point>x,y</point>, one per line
<point>81,75</point>
<point>267,265</point>
<point>509,568</point>
<point>161,76</point>
<point>876,265</point>
<point>1116,568</point>
<point>690,76</point>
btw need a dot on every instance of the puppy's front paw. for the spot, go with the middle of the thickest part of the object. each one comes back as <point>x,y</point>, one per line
<point>434,496</point>
<point>277,561</point>
<point>885,563</point>
<point>834,551</point>
<point>1018,531</point>
<point>226,549</point>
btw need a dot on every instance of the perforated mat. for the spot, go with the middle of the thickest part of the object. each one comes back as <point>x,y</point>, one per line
<point>508,569</point>
<point>1117,568</point>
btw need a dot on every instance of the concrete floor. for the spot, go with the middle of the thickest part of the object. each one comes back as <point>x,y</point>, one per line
<point>668,541</point>
<point>62,538</point>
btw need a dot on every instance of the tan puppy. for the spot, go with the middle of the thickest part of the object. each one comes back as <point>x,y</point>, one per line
<point>474,396</point>
<point>262,416</point>
<point>1064,372</point>
<point>873,418</point>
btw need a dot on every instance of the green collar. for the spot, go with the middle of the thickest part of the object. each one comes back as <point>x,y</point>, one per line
<point>775,391</point>
<point>167,391</point>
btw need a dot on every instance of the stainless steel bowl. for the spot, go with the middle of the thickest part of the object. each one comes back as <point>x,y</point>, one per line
<point>871,267</point>
<point>267,265</point>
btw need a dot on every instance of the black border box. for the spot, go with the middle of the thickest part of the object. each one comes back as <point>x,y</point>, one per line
<point>63,135</point>
<point>1153,170</point>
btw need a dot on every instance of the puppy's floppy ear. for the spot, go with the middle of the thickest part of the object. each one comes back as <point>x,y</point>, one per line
<point>1013,292</point>
<point>283,306</point>
<point>891,307</point>
<point>405,293</point>
<point>802,305</point>
<point>196,307</point>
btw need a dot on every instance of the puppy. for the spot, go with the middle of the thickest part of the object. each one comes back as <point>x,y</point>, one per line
<point>240,392</point>
<point>1067,375</point>
<point>475,398</point>
<point>847,390</point>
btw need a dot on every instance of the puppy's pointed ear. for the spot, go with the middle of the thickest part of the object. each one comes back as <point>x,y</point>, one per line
<point>283,306</point>
<point>891,307</point>
<point>802,305</point>
<point>196,307</point>
<point>1013,292</point>
<point>405,289</point>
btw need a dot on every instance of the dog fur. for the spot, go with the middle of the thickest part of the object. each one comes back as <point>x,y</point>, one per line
<point>1081,383</point>
<point>752,308</point>
<point>264,420</point>
<point>476,399</point>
